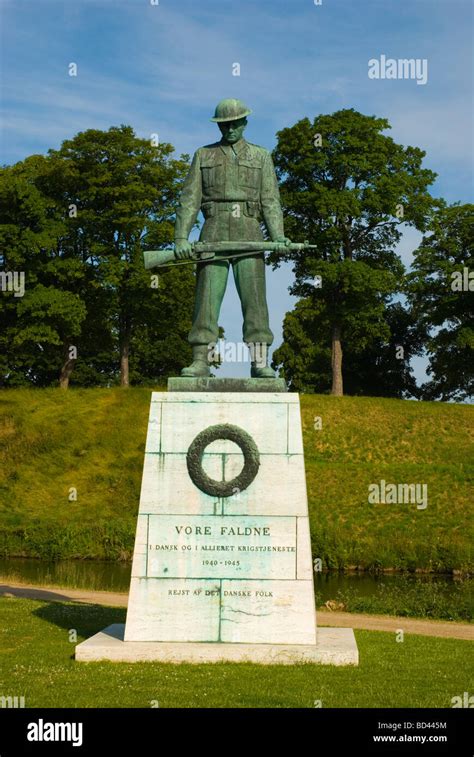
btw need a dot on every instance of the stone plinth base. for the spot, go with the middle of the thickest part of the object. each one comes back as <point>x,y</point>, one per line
<point>335,646</point>
<point>212,384</point>
<point>223,568</point>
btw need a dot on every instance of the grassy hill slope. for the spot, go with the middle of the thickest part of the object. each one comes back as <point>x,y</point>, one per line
<point>93,440</point>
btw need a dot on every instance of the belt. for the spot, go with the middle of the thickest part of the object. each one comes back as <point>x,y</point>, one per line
<point>209,207</point>
<point>227,205</point>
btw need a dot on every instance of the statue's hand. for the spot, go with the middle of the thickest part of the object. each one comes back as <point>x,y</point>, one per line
<point>183,249</point>
<point>283,242</point>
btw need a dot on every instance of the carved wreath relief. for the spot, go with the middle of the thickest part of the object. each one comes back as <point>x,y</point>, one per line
<point>223,488</point>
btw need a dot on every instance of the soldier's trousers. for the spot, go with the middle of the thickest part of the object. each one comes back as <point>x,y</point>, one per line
<point>211,282</point>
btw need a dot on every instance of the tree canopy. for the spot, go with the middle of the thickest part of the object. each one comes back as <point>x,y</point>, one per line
<point>348,187</point>
<point>76,223</point>
<point>441,292</point>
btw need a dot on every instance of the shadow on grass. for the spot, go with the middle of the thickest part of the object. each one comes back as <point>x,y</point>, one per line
<point>85,619</point>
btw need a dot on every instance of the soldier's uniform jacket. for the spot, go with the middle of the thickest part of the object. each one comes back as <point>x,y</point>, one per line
<point>236,188</point>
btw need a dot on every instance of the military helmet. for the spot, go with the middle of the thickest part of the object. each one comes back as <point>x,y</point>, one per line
<point>230,110</point>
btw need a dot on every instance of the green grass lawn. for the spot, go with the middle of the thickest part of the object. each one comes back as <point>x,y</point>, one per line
<point>36,661</point>
<point>364,440</point>
<point>93,440</point>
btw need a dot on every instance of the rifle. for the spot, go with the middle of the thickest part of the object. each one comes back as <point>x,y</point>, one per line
<point>204,251</point>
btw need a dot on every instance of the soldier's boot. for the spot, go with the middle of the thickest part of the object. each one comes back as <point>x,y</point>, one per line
<point>259,368</point>
<point>200,365</point>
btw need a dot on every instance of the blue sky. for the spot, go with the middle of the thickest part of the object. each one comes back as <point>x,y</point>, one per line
<point>162,68</point>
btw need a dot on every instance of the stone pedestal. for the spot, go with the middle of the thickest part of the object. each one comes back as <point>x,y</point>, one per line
<point>222,566</point>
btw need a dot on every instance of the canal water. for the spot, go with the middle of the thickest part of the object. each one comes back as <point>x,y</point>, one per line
<point>106,576</point>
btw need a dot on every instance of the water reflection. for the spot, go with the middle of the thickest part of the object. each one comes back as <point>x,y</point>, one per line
<point>106,576</point>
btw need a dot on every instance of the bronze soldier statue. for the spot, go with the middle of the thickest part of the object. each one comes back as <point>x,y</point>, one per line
<point>233,182</point>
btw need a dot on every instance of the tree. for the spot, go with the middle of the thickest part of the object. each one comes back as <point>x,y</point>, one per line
<point>380,369</point>
<point>122,191</point>
<point>75,224</point>
<point>52,316</point>
<point>30,233</point>
<point>347,188</point>
<point>441,292</point>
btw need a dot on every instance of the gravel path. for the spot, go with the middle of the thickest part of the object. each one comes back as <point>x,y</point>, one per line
<point>445,629</point>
